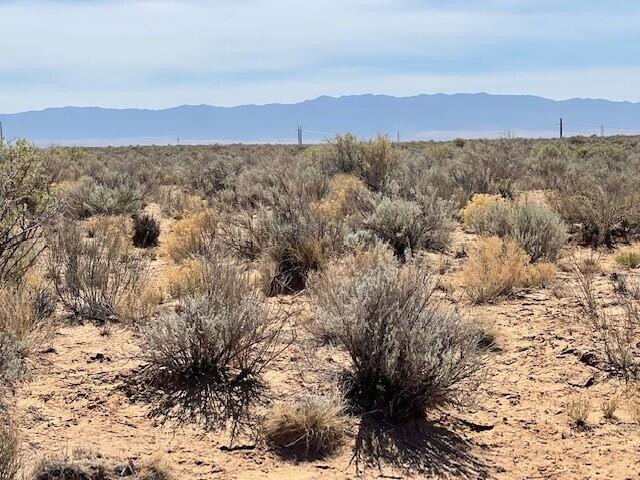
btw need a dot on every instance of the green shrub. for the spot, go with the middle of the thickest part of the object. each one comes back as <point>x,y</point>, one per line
<point>628,258</point>
<point>406,353</point>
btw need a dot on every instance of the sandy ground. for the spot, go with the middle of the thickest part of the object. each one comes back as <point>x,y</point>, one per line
<point>516,428</point>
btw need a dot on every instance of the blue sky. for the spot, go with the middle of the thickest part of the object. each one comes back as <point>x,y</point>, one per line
<point>160,53</point>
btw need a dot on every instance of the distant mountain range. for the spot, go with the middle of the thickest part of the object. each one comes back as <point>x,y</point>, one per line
<point>437,116</point>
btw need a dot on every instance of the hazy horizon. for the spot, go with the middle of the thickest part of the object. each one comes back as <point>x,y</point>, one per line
<point>161,53</point>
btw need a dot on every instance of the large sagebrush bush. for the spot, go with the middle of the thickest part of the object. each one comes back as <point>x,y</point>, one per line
<point>107,193</point>
<point>373,161</point>
<point>25,207</point>
<point>409,226</point>
<point>99,278</point>
<point>216,343</point>
<point>407,353</point>
<point>600,197</point>
<point>539,231</point>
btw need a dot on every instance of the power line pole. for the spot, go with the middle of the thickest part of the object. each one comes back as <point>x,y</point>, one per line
<point>1,133</point>
<point>561,127</point>
<point>299,135</point>
<point>398,136</point>
<point>602,130</point>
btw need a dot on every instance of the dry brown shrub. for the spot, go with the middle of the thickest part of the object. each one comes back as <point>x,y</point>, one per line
<point>9,450</point>
<point>185,279</point>
<point>192,236</point>
<point>476,208</point>
<point>495,268</point>
<point>540,274</point>
<point>617,330</point>
<point>347,196</point>
<point>100,277</point>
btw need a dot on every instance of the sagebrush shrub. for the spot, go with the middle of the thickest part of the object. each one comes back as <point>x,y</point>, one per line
<point>223,335</point>
<point>26,205</point>
<point>12,364</point>
<point>602,205</point>
<point>108,193</point>
<point>311,425</point>
<point>408,226</point>
<point>372,161</point>
<point>146,231</point>
<point>538,230</point>
<point>98,278</point>
<point>406,353</point>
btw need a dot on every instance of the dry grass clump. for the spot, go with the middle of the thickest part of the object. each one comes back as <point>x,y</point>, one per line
<point>86,465</point>
<point>9,450</point>
<point>495,268</point>
<point>176,203</point>
<point>407,354</point>
<point>25,311</point>
<point>628,258</point>
<point>609,406</point>
<point>192,236</point>
<point>311,425</point>
<point>186,279</point>
<point>578,410</point>
<point>541,274</point>
<point>99,278</point>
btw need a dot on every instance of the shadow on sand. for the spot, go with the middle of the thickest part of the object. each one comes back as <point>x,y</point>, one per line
<point>419,448</point>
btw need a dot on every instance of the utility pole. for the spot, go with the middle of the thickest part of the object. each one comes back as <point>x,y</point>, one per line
<point>1,133</point>
<point>560,127</point>
<point>398,137</point>
<point>299,135</point>
<point>602,130</point>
